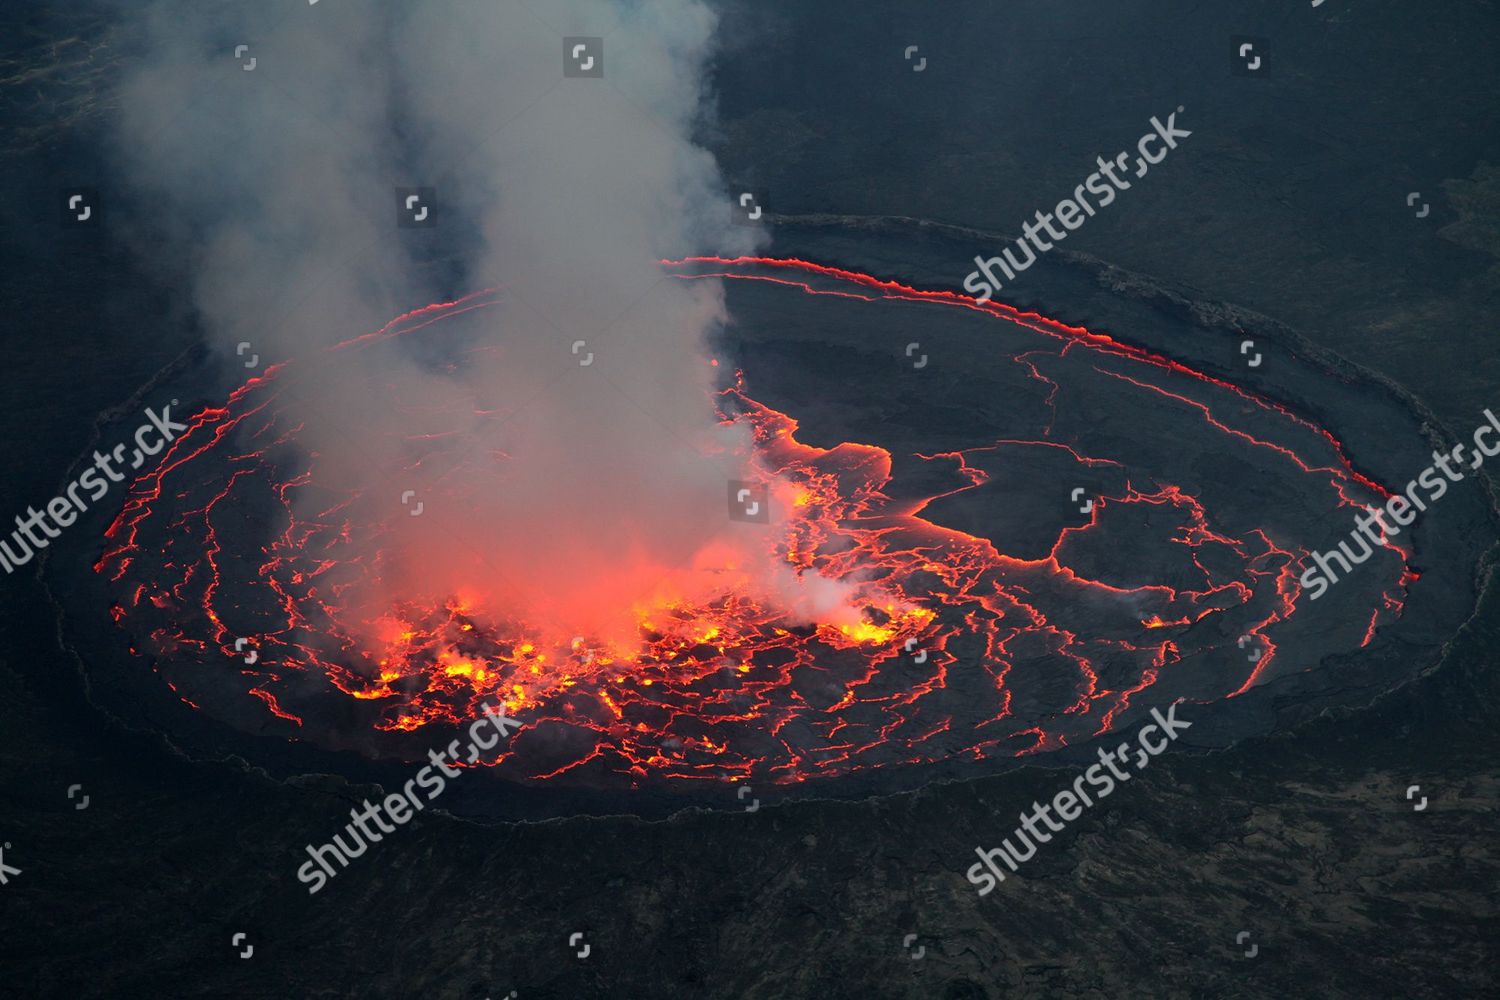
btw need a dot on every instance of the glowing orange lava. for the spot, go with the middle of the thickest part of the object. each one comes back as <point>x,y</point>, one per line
<point>939,661</point>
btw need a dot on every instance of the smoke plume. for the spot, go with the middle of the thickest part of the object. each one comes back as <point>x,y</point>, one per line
<point>553,489</point>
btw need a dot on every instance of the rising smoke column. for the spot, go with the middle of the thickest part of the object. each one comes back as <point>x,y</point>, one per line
<point>550,488</point>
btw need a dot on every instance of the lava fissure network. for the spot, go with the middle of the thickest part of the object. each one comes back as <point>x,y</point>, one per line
<point>1129,537</point>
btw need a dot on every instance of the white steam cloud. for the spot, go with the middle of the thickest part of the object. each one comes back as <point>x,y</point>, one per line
<point>558,490</point>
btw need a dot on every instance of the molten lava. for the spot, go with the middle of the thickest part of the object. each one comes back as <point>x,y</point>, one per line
<point>955,650</point>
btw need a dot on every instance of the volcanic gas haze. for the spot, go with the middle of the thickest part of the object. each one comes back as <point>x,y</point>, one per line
<point>566,456</point>
<point>561,462</point>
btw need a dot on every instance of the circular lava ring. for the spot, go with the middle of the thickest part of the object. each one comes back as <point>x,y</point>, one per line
<point>1124,532</point>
